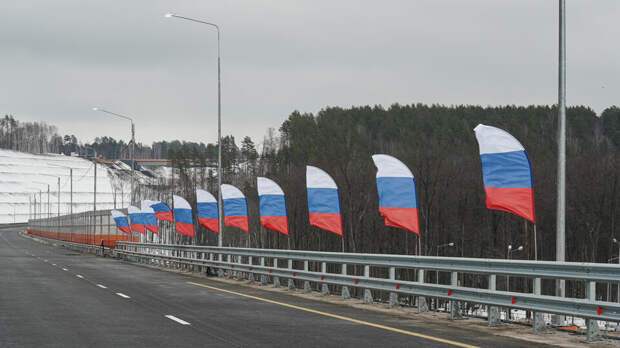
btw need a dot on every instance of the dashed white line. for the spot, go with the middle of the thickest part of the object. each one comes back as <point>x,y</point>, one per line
<point>64,269</point>
<point>44,260</point>
<point>53,264</point>
<point>102,286</point>
<point>79,276</point>
<point>122,295</point>
<point>180,321</point>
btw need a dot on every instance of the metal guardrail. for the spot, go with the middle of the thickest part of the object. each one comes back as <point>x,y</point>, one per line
<point>90,248</point>
<point>231,259</point>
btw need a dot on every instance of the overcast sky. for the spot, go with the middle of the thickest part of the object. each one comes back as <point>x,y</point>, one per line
<point>60,58</point>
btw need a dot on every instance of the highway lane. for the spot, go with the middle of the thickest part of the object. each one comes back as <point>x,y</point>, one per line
<point>100,302</point>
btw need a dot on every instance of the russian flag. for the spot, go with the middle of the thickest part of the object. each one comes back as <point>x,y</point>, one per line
<point>323,200</point>
<point>162,211</point>
<point>272,205</point>
<point>398,203</point>
<point>208,214</point>
<point>121,221</point>
<point>183,216</point>
<point>150,220</point>
<point>135,217</point>
<point>506,172</point>
<point>235,208</point>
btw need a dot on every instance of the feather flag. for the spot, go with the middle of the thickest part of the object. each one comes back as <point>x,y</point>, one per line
<point>162,211</point>
<point>150,219</point>
<point>208,214</point>
<point>272,205</point>
<point>183,216</point>
<point>396,186</point>
<point>506,172</point>
<point>121,221</point>
<point>323,200</point>
<point>235,208</point>
<point>135,219</point>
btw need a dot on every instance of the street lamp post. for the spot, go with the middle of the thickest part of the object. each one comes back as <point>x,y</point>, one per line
<point>510,251</point>
<point>509,256</point>
<point>451,244</point>
<point>219,120</point>
<point>133,144</point>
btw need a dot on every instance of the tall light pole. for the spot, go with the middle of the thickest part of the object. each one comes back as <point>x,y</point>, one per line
<point>133,144</point>
<point>560,253</point>
<point>219,120</point>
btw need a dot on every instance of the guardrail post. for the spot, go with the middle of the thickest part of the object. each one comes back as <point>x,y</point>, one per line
<point>276,279</point>
<point>455,310</point>
<point>291,283</point>
<point>539,322</point>
<point>422,304</point>
<point>492,311</point>
<point>593,332</point>
<point>250,274</point>
<point>393,302</point>
<point>345,289</point>
<point>307,288</point>
<point>367,294</point>
<point>324,287</point>
<point>263,278</point>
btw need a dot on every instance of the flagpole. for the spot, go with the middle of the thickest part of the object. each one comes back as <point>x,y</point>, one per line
<point>535,245</point>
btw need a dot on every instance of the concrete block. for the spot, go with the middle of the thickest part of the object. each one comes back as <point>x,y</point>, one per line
<point>291,284</point>
<point>345,293</point>
<point>307,288</point>
<point>539,323</point>
<point>393,302</point>
<point>422,304</point>
<point>368,297</point>
<point>324,290</point>
<point>593,331</point>
<point>493,316</point>
<point>455,310</point>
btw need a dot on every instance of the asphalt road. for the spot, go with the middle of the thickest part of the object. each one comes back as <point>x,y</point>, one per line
<point>54,297</point>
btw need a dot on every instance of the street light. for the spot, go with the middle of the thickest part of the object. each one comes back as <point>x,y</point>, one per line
<point>133,144</point>
<point>219,120</point>
<point>510,251</point>
<point>451,244</point>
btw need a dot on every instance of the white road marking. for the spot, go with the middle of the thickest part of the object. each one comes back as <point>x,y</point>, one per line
<point>102,286</point>
<point>44,260</point>
<point>64,269</point>
<point>53,264</point>
<point>79,276</point>
<point>180,321</point>
<point>122,295</point>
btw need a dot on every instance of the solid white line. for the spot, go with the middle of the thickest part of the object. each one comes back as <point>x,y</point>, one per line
<point>79,276</point>
<point>102,286</point>
<point>64,269</point>
<point>172,317</point>
<point>122,295</point>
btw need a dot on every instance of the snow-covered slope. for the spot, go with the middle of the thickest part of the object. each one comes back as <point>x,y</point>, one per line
<point>25,177</point>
